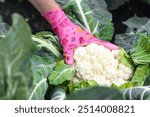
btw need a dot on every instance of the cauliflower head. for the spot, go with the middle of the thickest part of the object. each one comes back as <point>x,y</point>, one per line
<point>95,62</point>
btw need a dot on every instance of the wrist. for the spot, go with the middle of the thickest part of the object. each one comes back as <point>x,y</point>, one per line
<point>53,5</point>
<point>44,5</point>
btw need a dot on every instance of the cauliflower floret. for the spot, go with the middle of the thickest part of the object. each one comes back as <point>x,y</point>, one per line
<point>80,53</point>
<point>115,53</point>
<point>101,80</point>
<point>84,67</point>
<point>97,68</point>
<point>119,82</point>
<point>95,62</point>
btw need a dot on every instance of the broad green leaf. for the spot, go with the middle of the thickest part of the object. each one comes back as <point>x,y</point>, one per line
<point>81,85</point>
<point>126,40</point>
<point>51,37</point>
<point>92,15</point>
<point>147,81</point>
<point>145,29</point>
<point>134,23</point>
<point>126,59</point>
<point>141,73</point>
<point>61,73</point>
<point>43,34</point>
<point>136,26</point>
<point>2,1</point>
<point>137,93</point>
<point>146,1</point>
<point>1,19</point>
<point>123,86</point>
<point>58,94</point>
<point>3,29</point>
<point>96,93</point>
<point>45,43</point>
<point>140,54</point>
<point>17,49</point>
<point>112,5</point>
<point>41,68</point>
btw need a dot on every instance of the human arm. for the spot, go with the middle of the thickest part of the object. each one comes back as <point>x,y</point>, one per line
<point>44,5</point>
<point>71,35</point>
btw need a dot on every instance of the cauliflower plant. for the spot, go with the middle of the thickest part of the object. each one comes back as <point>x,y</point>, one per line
<point>95,62</point>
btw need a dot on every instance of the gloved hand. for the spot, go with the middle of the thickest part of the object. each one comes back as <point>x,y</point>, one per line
<point>71,35</point>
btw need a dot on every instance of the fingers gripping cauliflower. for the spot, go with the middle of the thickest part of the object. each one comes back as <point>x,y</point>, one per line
<point>95,62</point>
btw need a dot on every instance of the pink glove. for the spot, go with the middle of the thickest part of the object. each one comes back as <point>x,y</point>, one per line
<point>71,35</point>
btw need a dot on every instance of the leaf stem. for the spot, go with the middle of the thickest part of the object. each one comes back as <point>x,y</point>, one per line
<point>48,46</point>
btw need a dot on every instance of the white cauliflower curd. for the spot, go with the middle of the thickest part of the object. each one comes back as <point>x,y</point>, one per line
<point>95,62</point>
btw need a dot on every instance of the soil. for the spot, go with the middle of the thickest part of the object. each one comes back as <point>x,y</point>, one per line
<point>24,8</point>
<point>37,23</point>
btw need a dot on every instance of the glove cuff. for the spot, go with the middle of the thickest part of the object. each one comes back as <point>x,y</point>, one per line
<point>55,17</point>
